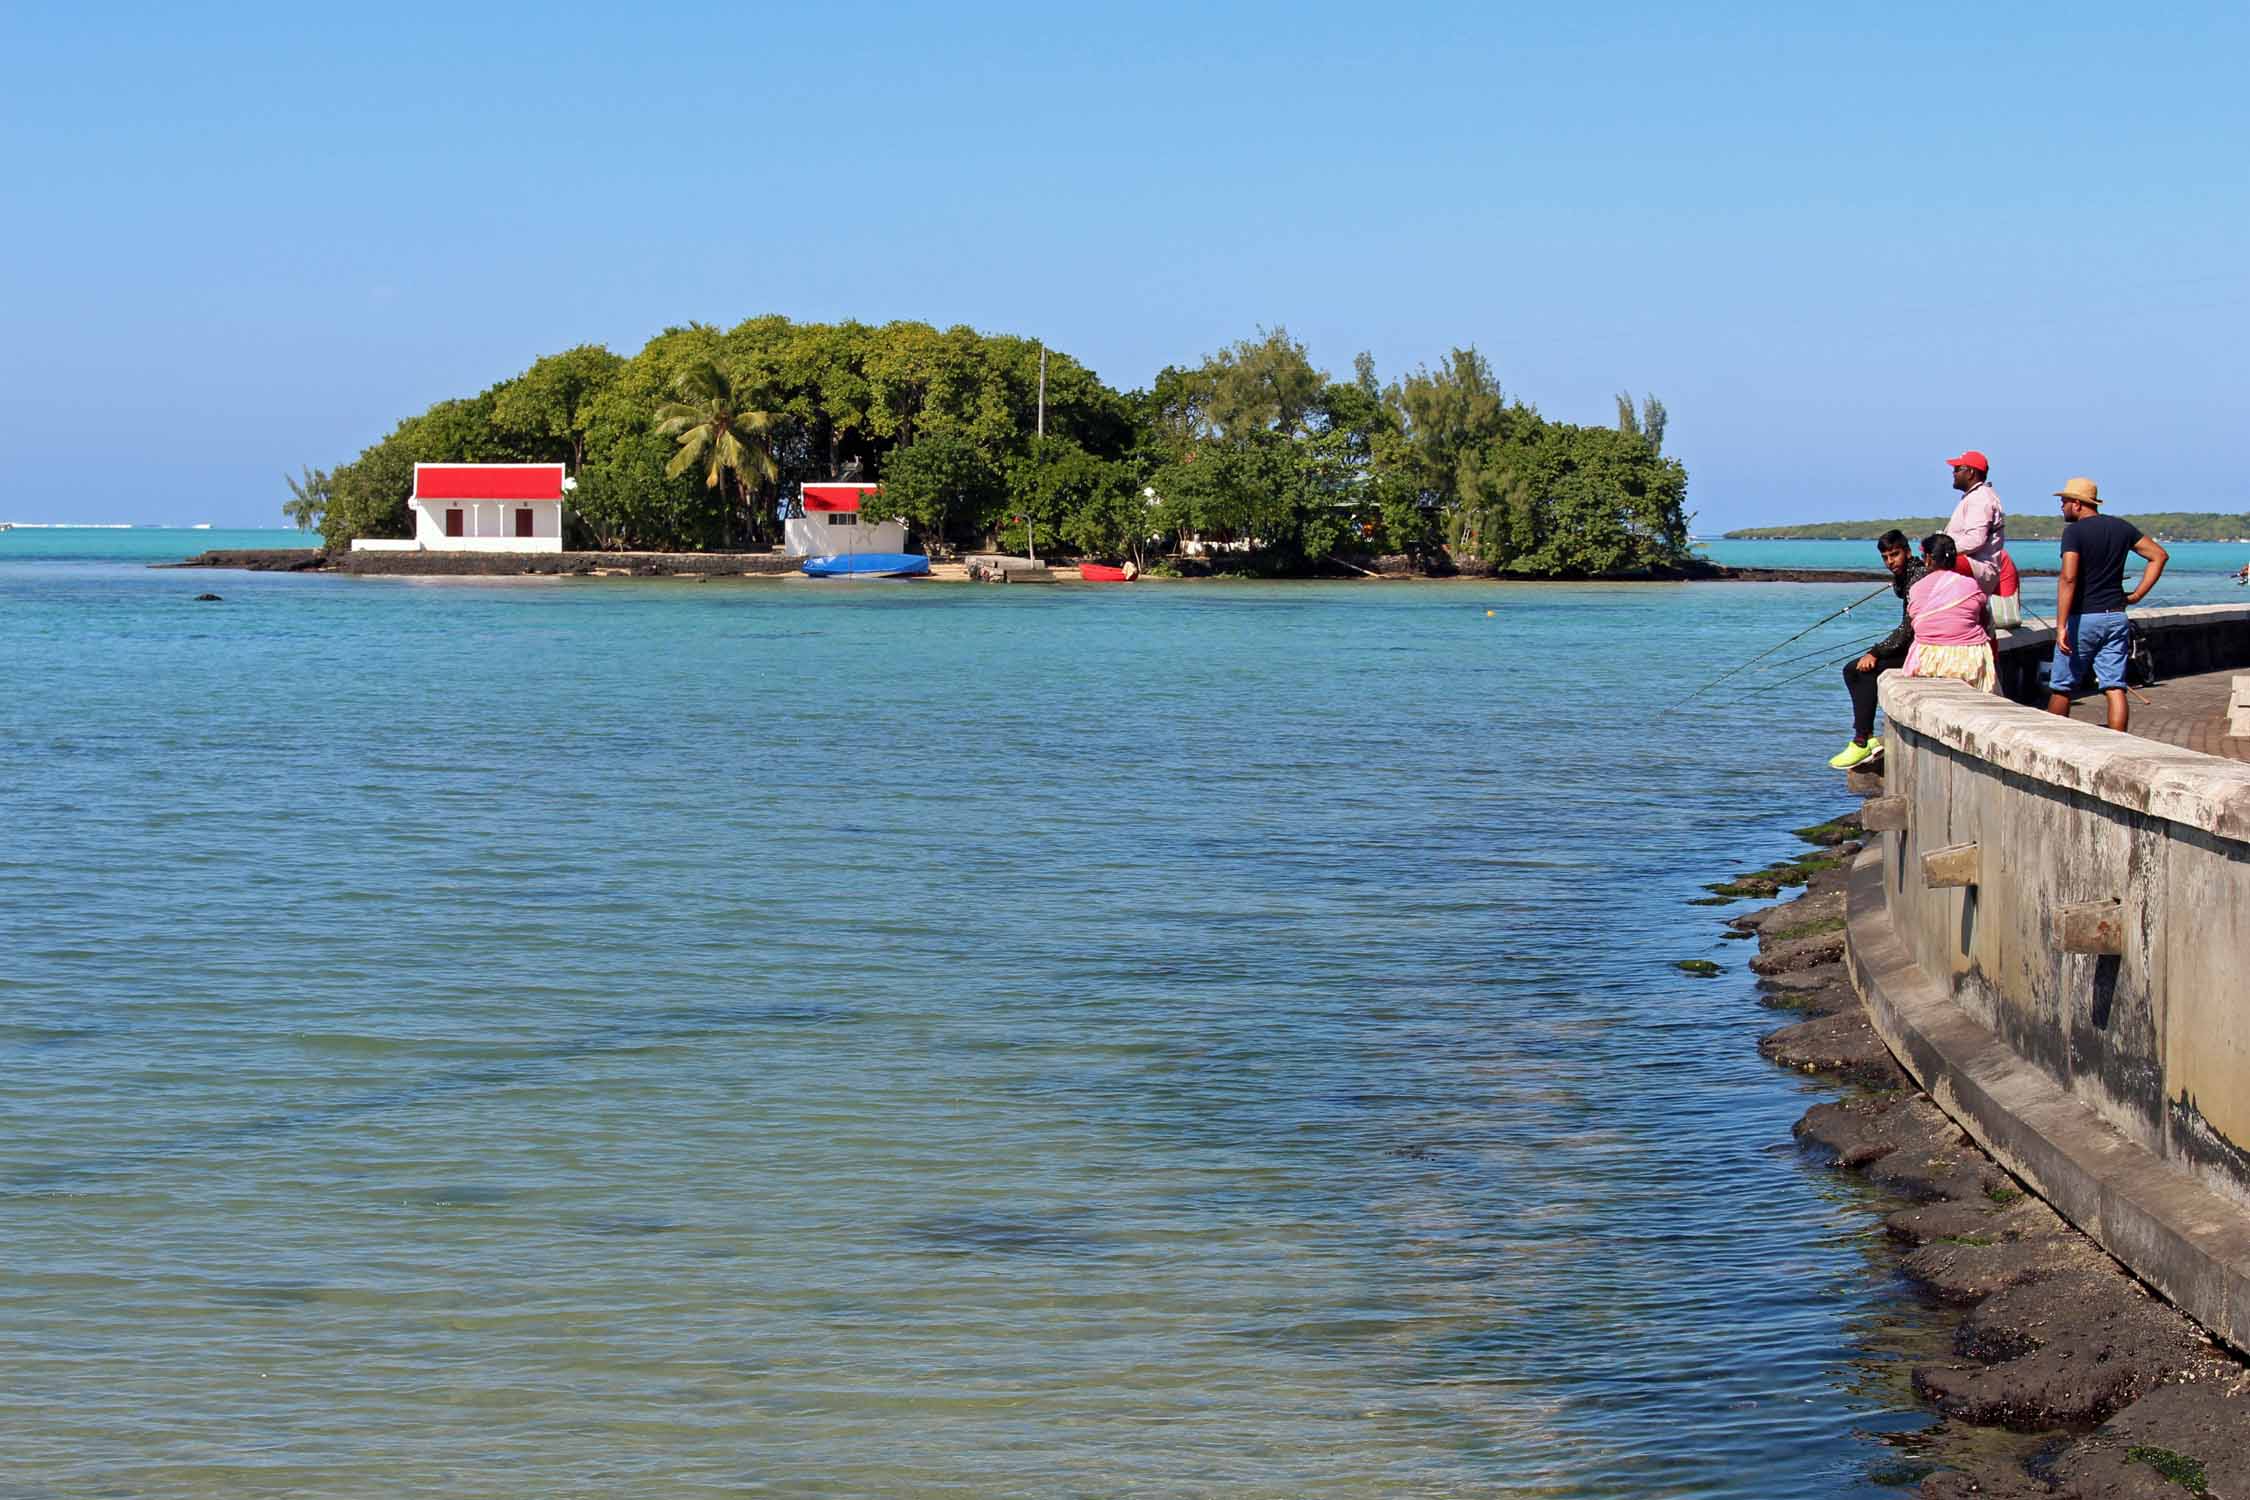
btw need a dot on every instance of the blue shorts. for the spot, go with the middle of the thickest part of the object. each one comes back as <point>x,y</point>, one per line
<point>2096,642</point>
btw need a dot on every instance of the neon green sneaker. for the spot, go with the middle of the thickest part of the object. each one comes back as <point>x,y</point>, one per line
<point>1855,753</point>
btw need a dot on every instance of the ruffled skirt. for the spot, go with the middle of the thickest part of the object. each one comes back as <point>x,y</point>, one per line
<point>1972,664</point>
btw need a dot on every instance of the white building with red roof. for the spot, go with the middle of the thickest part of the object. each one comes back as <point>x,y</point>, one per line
<point>482,508</point>
<point>827,520</point>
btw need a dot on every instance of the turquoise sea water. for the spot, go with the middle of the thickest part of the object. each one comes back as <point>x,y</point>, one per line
<point>601,1037</point>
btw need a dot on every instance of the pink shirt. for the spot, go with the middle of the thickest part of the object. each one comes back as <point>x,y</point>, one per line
<point>1980,529</point>
<point>1948,610</point>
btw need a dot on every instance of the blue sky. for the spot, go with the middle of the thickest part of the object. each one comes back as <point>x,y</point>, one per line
<point>1840,242</point>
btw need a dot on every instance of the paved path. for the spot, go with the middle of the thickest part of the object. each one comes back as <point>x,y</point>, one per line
<point>2188,711</point>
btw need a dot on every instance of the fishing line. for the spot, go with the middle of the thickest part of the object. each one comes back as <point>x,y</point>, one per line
<point>1782,682</point>
<point>1777,645</point>
<point>1790,661</point>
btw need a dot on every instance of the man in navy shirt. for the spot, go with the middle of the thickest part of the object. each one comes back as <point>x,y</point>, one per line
<point>2090,601</point>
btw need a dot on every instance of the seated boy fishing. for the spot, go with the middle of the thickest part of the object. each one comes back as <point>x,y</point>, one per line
<point>1886,655</point>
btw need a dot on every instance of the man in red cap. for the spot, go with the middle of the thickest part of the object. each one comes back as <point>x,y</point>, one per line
<point>1979,527</point>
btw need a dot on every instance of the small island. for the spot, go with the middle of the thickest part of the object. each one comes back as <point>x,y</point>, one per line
<point>1251,461</point>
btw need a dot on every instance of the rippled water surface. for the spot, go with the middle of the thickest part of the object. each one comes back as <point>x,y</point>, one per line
<point>594,1038</point>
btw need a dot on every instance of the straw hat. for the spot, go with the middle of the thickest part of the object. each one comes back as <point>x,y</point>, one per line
<point>2082,490</point>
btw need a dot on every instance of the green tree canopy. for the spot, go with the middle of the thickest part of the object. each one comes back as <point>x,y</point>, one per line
<point>1262,385</point>
<point>1573,501</point>
<point>944,486</point>
<point>680,444</point>
<point>547,406</point>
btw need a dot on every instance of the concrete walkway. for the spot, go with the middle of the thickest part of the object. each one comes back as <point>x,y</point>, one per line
<point>2190,712</point>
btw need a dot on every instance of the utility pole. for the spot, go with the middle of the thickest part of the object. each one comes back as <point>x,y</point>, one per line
<point>1031,541</point>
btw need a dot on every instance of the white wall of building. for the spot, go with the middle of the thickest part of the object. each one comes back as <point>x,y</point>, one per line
<point>835,533</point>
<point>488,526</point>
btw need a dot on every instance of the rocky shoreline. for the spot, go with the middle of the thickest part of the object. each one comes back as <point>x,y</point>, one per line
<point>2108,1391</point>
<point>769,564</point>
<point>496,564</point>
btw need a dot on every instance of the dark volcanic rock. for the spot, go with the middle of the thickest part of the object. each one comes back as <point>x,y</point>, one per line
<point>2023,1218</point>
<point>1833,832</point>
<point>496,564</point>
<point>1812,1003</point>
<point>1745,885</point>
<point>2206,1423</point>
<point>1810,908</point>
<point>1954,1168</point>
<point>256,559</point>
<point>2197,1430</point>
<point>1854,1131</point>
<point>1903,1142</point>
<point>1800,953</point>
<point>1785,575</point>
<point>1802,982</point>
<point>1841,1043</point>
<point>1927,1222</point>
<point>2066,1351</point>
<point>1822,998</point>
<point>1983,1484</point>
<point>1963,1270</point>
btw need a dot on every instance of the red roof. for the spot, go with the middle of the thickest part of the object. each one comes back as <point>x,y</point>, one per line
<point>843,496</point>
<point>488,481</point>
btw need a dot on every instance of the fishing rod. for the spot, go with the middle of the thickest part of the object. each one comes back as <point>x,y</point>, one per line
<point>1767,685</point>
<point>1790,661</point>
<point>1777,645</point>
<point>1782,682</point>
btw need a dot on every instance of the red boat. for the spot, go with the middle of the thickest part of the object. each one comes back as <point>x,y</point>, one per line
<point>1104,573</point>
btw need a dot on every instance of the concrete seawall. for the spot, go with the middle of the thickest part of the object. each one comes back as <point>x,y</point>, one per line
<point>2053,936</point>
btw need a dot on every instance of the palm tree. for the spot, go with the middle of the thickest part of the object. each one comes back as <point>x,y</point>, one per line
<point>308,497</point>
<point>713,430</point>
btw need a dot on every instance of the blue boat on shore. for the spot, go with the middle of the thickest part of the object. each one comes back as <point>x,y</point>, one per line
<point>869,565</point>
<point>823,524</point>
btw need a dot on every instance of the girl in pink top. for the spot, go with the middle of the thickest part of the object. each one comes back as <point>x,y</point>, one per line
<point>1952,634</point>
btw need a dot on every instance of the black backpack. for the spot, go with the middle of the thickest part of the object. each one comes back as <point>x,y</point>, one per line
<point>2140,662</point>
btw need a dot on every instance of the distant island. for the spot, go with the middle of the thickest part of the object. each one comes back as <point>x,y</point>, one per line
<point>2164,525</point>
<point>1267,463</point>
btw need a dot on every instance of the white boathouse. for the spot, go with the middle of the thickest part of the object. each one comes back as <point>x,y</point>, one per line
<point>832,520</point>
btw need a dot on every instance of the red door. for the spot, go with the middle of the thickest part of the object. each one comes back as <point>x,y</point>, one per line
<point>523,520</point>
<point>453,523</point>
